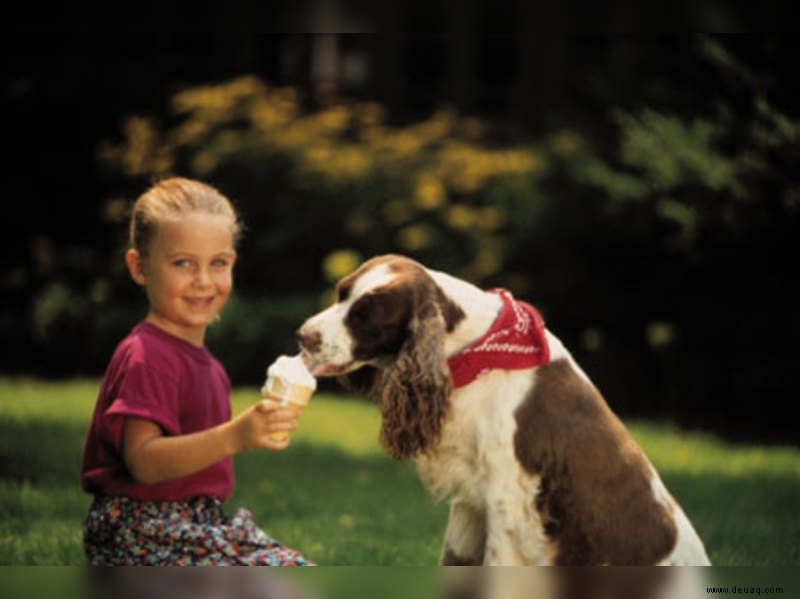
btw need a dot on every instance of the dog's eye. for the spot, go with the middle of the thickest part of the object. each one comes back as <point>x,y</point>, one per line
<point>360,310</point>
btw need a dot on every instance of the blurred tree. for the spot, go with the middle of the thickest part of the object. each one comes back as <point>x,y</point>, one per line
<point>677,250</point>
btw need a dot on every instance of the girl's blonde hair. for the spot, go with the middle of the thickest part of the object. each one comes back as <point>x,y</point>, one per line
<point>172,198</point>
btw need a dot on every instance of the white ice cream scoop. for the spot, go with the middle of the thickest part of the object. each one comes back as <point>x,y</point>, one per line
<point>289,381</point>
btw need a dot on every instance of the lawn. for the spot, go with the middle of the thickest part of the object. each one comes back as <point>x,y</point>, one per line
<point>336,496</point>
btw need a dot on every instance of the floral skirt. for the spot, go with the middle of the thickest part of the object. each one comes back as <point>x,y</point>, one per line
<point>120,531</point>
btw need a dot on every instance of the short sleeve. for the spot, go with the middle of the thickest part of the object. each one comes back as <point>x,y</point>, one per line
<point>146,393</point>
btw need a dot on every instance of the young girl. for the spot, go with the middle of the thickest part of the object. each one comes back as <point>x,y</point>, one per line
<point>158,456</point>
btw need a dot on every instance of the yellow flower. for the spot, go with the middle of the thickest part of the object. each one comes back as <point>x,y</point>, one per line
<point>430,193</point>
<point>405,142</point>
<point>660,334</point>
<point>333,120</point>
<point>435,128</point>
<point>190,131</point>
<point>142,138</point>
<point>267,115</point>
<point>460,217</point>
<point>162,162</point>
<point>204,162</point>
<point>116,210</point>
<point>351,163</point>
<point>414,237</point>
<point>318,153</point>
<point>340,263</point>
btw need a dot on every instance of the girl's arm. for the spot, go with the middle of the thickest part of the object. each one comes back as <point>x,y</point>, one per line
<point>152,457</point>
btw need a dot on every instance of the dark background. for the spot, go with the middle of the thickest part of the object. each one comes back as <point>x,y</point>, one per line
<point>720,289</point>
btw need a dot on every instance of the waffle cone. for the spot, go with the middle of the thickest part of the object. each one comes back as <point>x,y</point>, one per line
<point>286,392</point>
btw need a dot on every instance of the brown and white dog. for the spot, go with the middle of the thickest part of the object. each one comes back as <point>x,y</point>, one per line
<point>537,468</point>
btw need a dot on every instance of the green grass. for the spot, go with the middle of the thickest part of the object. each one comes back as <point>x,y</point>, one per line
<point>337,497</point>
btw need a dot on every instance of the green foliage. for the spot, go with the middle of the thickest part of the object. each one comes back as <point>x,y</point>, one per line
<point>55,303</point>
<point>670,153</point>
<point>338,497</point>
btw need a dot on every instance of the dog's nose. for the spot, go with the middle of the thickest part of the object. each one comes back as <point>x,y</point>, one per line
<point>308,339</point>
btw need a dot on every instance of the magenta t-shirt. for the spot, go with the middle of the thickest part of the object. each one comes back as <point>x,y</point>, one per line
<point>179,386</point>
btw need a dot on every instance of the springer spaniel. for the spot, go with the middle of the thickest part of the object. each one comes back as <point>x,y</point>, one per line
<point>500,420</point>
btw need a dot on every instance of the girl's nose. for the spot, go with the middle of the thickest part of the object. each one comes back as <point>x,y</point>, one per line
<point>202,277</point>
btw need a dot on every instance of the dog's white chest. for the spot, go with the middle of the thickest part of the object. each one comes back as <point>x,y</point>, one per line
<point>477,439</point>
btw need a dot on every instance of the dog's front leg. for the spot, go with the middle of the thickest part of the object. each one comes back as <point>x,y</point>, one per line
<point>465,537</point>
<point>514,534</point>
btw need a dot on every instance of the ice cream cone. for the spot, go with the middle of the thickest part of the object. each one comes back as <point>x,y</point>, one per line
<point>288,383</point>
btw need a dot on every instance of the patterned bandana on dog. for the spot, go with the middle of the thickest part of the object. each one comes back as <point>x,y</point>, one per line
<point>516,340</point>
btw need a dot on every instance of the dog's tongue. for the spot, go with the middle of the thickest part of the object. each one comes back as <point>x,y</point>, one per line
<point>324,369</point>
<point>311,365</point>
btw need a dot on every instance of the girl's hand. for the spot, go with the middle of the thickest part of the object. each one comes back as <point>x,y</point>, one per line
<point>253,428</point>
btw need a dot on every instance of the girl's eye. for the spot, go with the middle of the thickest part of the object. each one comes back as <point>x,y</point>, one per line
<point>181,263</point>
<point>220,262</point>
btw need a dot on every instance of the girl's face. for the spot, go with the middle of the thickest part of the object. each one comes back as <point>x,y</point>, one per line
<point>188,273</point>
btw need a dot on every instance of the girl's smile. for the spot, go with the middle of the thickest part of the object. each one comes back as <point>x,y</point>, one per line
<point>200,303</point>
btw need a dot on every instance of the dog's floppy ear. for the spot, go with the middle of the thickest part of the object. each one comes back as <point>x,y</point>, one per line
<point>415,389</point>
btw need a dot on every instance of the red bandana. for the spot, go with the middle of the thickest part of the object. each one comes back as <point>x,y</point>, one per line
<point>516,340</point>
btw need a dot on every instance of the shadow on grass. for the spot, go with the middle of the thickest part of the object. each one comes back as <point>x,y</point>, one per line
<point>358,510</point>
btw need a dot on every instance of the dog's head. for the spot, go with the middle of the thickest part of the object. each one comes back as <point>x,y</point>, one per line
<point>385,336</point>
